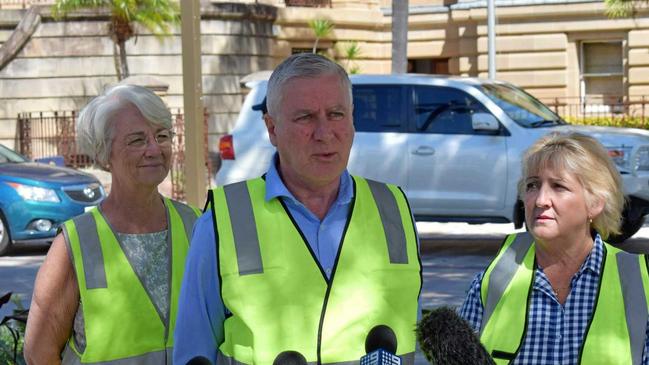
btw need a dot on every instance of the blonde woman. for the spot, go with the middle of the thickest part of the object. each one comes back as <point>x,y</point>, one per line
<point>559,294</point>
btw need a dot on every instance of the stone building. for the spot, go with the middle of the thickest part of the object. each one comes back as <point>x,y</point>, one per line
<point>566,51</point>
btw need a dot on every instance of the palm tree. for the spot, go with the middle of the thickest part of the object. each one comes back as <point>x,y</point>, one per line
<point>622,8</point>
<point>352,52</point>
<point>322,28</point>
<point>155,15</point>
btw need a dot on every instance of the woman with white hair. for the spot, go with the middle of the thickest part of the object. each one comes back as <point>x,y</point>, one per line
<point>108,288</point>
<point>559,294</point>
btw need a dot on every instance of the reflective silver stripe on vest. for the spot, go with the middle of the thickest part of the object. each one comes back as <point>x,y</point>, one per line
<point>635,304</point>
<point>69,357</point>
<point>407,359</point>
<point>187,215</point>
<point>391,220</point>
<point>244,228</point>
<point>503,273</point>
<point>91,254</point>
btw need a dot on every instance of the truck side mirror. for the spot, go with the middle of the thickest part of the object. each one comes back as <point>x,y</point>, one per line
<point>484,122</point>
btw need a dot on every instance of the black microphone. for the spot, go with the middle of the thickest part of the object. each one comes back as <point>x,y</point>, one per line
<point>446,338</point>
<point>199,360</point>
<point>381,346</point>
<point>290,358</point>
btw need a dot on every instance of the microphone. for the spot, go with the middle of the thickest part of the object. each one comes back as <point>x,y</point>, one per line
<point>199,360</point>
<point>290,358</point>
<point>381,346</point>
<point>446,338</point>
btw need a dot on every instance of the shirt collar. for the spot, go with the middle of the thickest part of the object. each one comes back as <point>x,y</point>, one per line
<point>594,260</point>
<point>275,187</point>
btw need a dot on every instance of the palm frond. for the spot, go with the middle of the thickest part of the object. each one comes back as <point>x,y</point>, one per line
<point>61,8</point>
<point>622,8</point>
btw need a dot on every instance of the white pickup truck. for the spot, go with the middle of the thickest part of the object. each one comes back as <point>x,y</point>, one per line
<point>453,144</point>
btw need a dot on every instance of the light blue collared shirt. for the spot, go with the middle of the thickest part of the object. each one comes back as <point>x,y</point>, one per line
<point>199,324</point>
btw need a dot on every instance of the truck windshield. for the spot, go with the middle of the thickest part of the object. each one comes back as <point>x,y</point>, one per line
<point>522,107</point>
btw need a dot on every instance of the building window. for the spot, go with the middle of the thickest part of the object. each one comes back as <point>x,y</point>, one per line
<point>438,66</point>
<point>602,77</point>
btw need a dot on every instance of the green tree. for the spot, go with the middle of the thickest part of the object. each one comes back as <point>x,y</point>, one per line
<point>322,28</point>
<point>352,51</point>
<point>155,15</point>
<point>623,8</point>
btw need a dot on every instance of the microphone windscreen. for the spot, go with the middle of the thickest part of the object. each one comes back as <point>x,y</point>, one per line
<point>381,337</point>
<point>199,360</point>
<point>290,358</point>
<point>446,338</point>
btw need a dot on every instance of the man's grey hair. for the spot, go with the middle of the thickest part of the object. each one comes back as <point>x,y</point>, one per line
<point>96,119</point>
<point>302,65</point>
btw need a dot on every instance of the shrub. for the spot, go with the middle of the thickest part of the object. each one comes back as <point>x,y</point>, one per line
<point>609,121</point>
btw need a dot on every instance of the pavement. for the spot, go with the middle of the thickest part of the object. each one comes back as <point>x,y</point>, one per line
<point>486,238</point>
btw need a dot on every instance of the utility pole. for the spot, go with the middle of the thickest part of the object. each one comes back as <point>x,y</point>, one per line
<point>491,38</point>
<point>399,36</point>
<point>195,171</point>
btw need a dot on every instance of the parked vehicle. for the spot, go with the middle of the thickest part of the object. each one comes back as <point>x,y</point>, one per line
<point>453,144</point>
<point>36,198</point>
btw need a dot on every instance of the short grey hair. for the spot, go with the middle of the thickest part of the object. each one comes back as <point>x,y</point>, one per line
<point>301,65</point>
<point>586,159</point>
<point>95,121</point>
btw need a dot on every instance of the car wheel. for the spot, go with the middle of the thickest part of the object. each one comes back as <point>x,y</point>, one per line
<point>628,228</point>
<point>5,238</point>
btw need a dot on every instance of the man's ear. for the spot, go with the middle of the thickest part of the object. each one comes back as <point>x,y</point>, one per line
<point>270,126</point>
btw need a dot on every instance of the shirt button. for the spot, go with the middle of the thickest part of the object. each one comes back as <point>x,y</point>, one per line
<point>558,337</point>
<point>328,271</point>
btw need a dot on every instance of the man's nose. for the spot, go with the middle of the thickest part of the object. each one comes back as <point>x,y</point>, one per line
<point>323,127</point>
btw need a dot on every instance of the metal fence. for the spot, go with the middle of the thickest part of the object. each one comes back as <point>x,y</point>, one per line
<point>47,135</point>
<point>612,111</point>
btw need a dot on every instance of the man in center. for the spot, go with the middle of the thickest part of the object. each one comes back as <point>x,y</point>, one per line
<point>306,258</point>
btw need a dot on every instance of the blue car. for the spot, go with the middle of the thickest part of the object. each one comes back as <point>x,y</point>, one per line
<point>36,198</point>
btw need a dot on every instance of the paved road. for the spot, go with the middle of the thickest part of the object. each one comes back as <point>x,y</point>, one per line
<point>452,253</point>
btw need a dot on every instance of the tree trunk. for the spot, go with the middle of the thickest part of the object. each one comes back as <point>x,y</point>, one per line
<point>399,36</point>
<point>122,57</point>
<point>315,45</point>
<point>118,68</point>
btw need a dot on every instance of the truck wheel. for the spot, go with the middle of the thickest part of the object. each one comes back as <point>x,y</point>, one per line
<point>629,227</point>
<point>5,239</point>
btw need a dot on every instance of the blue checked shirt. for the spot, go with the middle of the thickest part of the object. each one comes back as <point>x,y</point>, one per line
<point>555,332</point>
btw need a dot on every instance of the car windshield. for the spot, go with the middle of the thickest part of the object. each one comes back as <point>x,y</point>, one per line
<point>522,107</point>
<point>9,156</point>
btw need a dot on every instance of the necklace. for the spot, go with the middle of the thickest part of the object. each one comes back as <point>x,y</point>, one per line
<point>561,288</point>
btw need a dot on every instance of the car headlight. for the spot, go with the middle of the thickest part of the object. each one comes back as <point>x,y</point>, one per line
<point>641,160</point>
<point>621,156</point>
<point>35,193</point>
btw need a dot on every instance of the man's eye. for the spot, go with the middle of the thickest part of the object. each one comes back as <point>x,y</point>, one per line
<point>304,117</point>
<point>337,115</point>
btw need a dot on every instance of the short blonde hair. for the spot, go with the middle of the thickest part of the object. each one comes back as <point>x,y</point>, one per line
<point>586,159</point>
